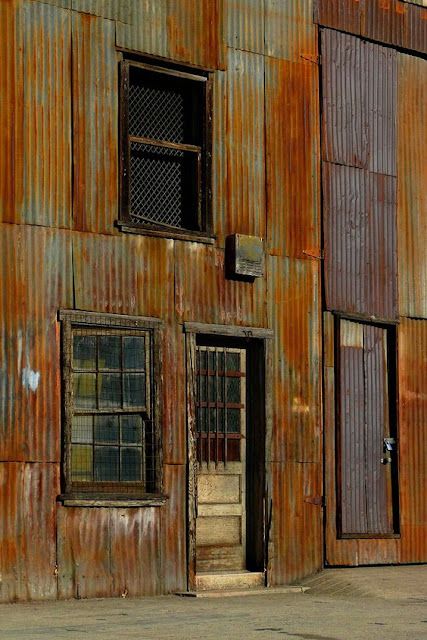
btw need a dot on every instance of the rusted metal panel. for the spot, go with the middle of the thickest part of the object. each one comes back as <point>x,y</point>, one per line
<point>360,241</point>
<point>147,33</point>
<point>294,316</point>
<point>194,32</point>
<point>27,531</point>
<point>174,527</point>
<point>95,124</point>
<point>412,193</point>
<point>384,20</point>
<point>412,438</point>
<point>112,9</point>
<point>359,81</point>
<point>219,154</point>
<point>35,281</point>
<point>124,274</point>
<point>344,15</point>
<point>290,32</point>
<point>174,396</point>
<point>292,116</point>
<point>244,141</point>
<point>296,521</point>
<point>245,25</point>
<point>416,29</point>
<point>202,293</point>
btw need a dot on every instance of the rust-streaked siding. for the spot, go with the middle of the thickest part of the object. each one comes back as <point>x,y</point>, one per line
<point>290,33</point>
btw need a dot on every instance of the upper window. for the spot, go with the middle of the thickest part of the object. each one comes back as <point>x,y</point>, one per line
<point>164,135</point>
<point>111,439</point>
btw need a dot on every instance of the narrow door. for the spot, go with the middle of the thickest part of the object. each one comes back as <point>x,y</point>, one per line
<point>221,455</point>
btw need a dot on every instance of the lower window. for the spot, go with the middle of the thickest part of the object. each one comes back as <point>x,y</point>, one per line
<point>111,443</point>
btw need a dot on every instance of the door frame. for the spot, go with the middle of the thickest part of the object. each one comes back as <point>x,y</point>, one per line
<point>262,337</point>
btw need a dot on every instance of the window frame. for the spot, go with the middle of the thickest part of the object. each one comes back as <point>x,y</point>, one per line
<point>202,215</point>
<point>103,493</point>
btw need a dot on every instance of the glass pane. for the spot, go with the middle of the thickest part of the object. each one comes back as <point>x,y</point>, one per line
<point>106,428</point>
<point>212,388</point>
<point>233,390</point>
<point>106,463</point>
<point>131,429</point>
<point>233,361</point>
<point>212,419</point>
<point>110,390</point>
<point>220,356</point>
<point>134,353</point>
<point>109,352</point>
<point>84,387</point>
<point>233,450</point>
<point>81,463</point>
<point>134,390</point>
<point>203,360</point>
<point>211,360</point>
<point>131,464</point>
<point>201,419</point>
<point>221,420</point>
<point>202,389</point>
<point>233,420</point>
<point>82,429</point>
<point>84,352</point>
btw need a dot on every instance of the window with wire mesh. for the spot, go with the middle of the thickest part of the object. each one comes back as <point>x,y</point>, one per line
<point>111,439</point>
<point>163,148</point>
<point>220,404</point>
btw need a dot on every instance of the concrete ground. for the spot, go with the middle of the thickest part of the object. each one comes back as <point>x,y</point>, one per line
<point>341,604</point>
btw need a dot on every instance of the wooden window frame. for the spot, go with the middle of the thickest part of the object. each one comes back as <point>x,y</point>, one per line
<point>202,215</point>
<point>109,493</point>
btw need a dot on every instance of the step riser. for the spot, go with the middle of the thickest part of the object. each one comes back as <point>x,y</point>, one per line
<point>218,582</point>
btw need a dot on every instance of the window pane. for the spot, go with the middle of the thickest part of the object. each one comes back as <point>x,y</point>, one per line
<point>82,429</point>
<point>233,361</point>
<point>110,390</point>
<point>134,353</point>
<point>233,390</point>
<point>109,352</point>
<point>107,463</point>
<point>106,428</point>
<point>212,419</point>
<point>131,468</point>
<point>84,352</point>
<point>201,419</point>
<point>84,387</point>
<point>233,420</point>
<point>81,463</point>
<point>134,389</point>
<point>131,429</point>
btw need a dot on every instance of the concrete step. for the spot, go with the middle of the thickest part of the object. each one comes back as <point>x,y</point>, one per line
<point>217,581</point>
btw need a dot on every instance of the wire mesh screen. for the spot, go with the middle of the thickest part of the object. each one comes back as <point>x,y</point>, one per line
<point>112,437</point>
<point>156,112</point>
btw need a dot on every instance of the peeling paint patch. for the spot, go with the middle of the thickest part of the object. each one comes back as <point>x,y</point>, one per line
<point>30,379</point>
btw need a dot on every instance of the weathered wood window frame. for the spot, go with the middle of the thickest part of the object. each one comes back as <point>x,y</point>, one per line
<point>150,144</point>
<point>145,415</point>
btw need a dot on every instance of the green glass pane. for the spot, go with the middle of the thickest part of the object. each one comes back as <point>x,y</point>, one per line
<point>201,419</point>
<point>81,463</point>
<point>233,420</point>
<point>109,352</point>
<point>221,420</point>
<point>233,390</point>
<point>131,464</point>
<point>203,360</point>
<point>212,420</point>
<point>220,356</point>
<point>211,360</point>
<point>84,352</point>
<point>134,353</point>
<point>82,429</point>
<point>106,464</point>
<point>232,361</point>
<point>134,390</point>
<point>84,389</point>
<point>109,390</point>
<point>106,428</point>
<point>131,429</point>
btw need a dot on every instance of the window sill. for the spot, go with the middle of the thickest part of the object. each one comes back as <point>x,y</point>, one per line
<point>187,236</point>
<point>112,501</point>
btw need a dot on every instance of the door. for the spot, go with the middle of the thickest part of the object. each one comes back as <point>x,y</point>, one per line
<point>221,456</point>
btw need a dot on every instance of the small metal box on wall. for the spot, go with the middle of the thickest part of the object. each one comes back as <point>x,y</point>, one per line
<point>244,257</point>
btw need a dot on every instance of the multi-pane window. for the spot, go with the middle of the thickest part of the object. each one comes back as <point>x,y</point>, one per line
<point>220,403</point>
<point>164,119</point>
<point>111,444</point>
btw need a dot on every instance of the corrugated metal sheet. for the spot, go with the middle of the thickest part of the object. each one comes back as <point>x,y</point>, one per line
<point>219,154</point>
<point>194,32</point>
<point>412,181</point>
<point>27,531</point>
<point>112,9</point>
<point>290,33</point>
<point>244,142</point>
<point>343,15</point>
<point>95,124</point>
<point>292,155</point>
<point>412,438</point>
<point>294,317</point>
<point>359,82</point>
<point>126,274</point>
<point>384,21</point>
<point>360,241</point>
<point>174,400</point>
<point>245,24</point>
<point>174,527</point>
<point>148,30</point>
<point>35,281</point>
<point>202,294</point>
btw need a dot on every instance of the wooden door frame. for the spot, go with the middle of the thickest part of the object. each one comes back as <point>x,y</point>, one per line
<point>192,330</point>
